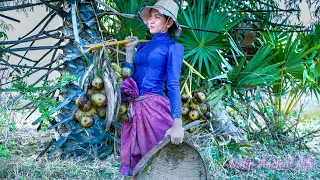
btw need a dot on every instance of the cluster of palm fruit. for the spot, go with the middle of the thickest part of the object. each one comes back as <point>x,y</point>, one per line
<point>195,108</point>
<point>122,74</point>
<point>91,104</point>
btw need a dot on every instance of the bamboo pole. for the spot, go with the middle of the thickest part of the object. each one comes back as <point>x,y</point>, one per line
<point>114,42</point>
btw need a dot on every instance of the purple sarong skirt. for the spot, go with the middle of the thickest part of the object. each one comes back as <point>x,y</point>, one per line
<point>150,121</point>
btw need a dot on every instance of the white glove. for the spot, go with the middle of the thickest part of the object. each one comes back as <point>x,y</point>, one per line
<point>133,44</point>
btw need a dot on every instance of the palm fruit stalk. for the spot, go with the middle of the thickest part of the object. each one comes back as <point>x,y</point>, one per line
<point>92,101</point>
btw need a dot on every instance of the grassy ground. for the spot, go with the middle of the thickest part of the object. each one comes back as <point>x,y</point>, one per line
<point>28,168</point>
<point>269,162</point>
<point>266,165</point>
<point>276,163</point>
<point>23,164</point>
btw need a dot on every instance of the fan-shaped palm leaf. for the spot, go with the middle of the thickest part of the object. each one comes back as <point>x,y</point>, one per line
<point>312,69</point>
<point>293,50</point>
<point>126,26</point>
<point>257,72</point>
<point>250,73</point>
<point>201,47</point>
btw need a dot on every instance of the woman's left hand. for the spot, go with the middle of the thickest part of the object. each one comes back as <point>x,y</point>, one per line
<point>130,46</point>
<point>176,133</point>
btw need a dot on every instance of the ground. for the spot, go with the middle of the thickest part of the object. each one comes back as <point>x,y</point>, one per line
<point>269,162</point>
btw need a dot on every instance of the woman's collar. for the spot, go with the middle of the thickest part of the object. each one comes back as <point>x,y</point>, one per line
<point>161,36</point>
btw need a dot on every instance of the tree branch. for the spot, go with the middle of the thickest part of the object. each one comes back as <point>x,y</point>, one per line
<point>23,57</point>
<point>273,10</point>
<point>8,64</point>
<point>54,8</point>
<point>24,66</point>
<point>10,18</point>
<point>35,48</point>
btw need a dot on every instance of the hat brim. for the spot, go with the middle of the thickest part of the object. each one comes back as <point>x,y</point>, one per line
<point>144,15</point>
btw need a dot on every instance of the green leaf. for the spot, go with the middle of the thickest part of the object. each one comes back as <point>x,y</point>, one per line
<point>201,48</point>
<point>228,88</point>
<point>222,76</point>
<point>225,62</point>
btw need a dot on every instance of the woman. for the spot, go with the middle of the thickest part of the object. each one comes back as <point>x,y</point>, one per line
<point>155,67</point>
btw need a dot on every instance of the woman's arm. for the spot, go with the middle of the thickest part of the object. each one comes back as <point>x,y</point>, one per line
<point>174,64</point>
<point>129,55</point>
<point>130,48</point>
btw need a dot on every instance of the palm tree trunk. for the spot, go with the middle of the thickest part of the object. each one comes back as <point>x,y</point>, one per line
<point>81,26</point>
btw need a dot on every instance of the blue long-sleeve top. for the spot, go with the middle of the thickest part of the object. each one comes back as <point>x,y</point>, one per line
<point>158,63</point>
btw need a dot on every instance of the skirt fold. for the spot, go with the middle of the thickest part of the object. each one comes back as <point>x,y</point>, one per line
<point>151,119</point>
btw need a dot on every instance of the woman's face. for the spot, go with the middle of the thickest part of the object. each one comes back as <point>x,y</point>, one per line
<point>157,23</point>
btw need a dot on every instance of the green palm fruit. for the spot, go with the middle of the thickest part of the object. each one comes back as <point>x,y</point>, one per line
<point>194,106</point>
<point>90,92</point>
<point>126,72</point>
<point>101,112</point>
<point>194,114</point>
<point>200,97</point>
<point>208,115</point>
<point>83,102</point>
<point>185,98</point>
<point>113,64</point>
<point>185,111</point>
<point>123,117</point>
<point>87,121</point>
<point>118,75</point>
<point>77,114</point>
<point>123,109</point>
<point>203,107</point>
<point>99,100</point>
<point>92,112</point>
<point>116,68</point>
<point>97,83</point>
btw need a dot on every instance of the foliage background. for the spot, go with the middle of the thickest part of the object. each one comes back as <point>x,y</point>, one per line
<point>262,91</point>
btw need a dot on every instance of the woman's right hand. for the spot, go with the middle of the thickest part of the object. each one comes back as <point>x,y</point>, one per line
<point>130,46</point>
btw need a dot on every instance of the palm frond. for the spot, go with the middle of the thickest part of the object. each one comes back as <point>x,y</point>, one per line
<point>125,26</point>
<point>254,72</point>
<point>201,47</point>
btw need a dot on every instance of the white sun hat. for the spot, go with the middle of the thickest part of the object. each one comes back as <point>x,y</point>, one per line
<point>165,7</point>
